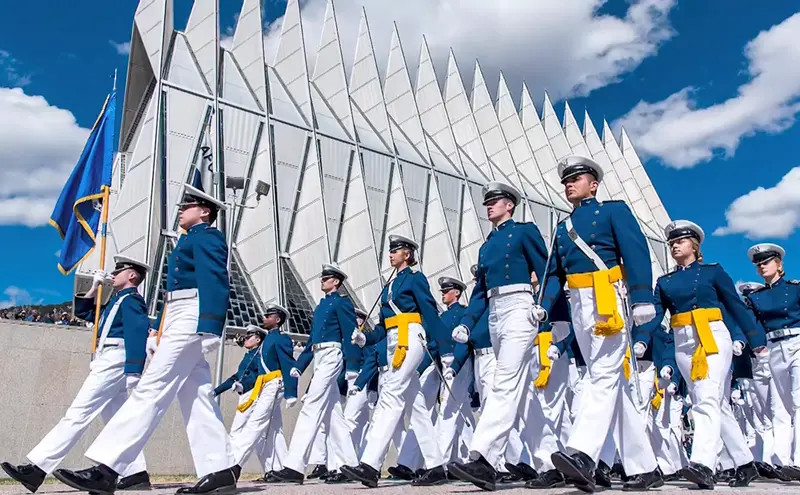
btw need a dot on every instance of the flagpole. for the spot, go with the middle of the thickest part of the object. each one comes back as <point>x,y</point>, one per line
<point>99,300</point>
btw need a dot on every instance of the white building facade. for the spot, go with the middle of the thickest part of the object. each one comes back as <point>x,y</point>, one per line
<point>349,160</point>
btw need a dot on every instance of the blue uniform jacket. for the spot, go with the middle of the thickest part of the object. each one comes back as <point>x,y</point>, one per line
<point>510,254</point>
<point>611,230</point>
<point>461,352</point>
<point>130,323</point>
<point>200,261</point>
<point>411,293</point>
<point>776,307</point>
<point>276,354</point>
<point>570,346</point>
<point>375,357</point>
<point>702,286</point>
<point>246,374</point>
<point>334,321</point>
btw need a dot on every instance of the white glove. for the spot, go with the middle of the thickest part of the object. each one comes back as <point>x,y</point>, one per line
<point>350,375</point>
<point>744,383</point>
<point>460,334</point>
<point>666,372</point>
<point>538,313</point>
<point>736,395</point>
<point>290,402</point>
<point>295,373</point>
<point>130,382</point>
<point>738,348</point>
<point>449,373</point>
<point>354,391</point>
<point>638,349</point>
<point>151,345</point>
<point>372,398</point>
<point>237,387</point>
<point>671,389</point>
<point>642,313</point>
<point>552,353</point>
<point>687,401</point>
<point>358,338</point>
<point>99,277</point>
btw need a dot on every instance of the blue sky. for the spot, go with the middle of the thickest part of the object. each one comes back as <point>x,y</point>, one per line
<point>709,101</point>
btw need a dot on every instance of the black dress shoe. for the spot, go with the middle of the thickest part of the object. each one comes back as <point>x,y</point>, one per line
<point>335,477</point>
<point>401,472</point>
<point>218,483</point>
<point>138,481</point>
<point>577,468</point>
<point>602,475</point>
<point>617,471</point>
<point>766,471</point>
<point>363,473</point>
<point>287,475</point>
<point>676,476</point>
<point>319,471</point>
<point>643,482</point>
<point>99,479</point>
<point>724,475</point>
<point>268,478</point>
<point>523,471</point>
<point>546,480</point>
<point>744,475</point>
<point>503,477</point>
<point>30,476</point>
<point>478,472</point>
<point>700,475</point>
<point>432,477</point>
<point>790,472</point>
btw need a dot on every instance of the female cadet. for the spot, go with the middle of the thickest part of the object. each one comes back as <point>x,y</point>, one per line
<point>696,294</point>
<point>777,308</point>
<point>406,303</point>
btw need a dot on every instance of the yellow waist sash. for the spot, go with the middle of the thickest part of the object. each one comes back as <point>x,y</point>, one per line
<point>706,345</point>
<point>401,321</point>
<point>260,382</point>
<point>605,297</point>
<point>544,340</point>
<point>658,397</point>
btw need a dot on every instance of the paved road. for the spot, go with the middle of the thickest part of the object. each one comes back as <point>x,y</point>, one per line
<point>390,488</point>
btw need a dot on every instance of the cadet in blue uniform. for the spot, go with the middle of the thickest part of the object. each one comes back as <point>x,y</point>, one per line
<point>115,371</point>
<point>590,247</point>
<point>696,294</point>
<point>334,320</point>
<point>776,306</point>
<point>197,301</point>
<point>406,305</point>
<point>511,253</point>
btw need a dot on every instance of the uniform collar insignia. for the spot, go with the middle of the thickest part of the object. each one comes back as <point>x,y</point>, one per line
<point>198,228</point>
<point>505,224</point>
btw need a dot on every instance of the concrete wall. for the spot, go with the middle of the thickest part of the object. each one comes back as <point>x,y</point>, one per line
<point>43,367</point>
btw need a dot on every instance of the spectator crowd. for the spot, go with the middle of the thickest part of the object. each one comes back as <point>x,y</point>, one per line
<point>56,316</point>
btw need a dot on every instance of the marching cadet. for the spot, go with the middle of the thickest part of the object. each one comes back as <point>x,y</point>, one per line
<point>356,409</point>
<point>261,425</point>
<point>589,248</point>
<point>696,294</point>
<point>113,374</point>
<point>776,307</point>
<point>196,305</point>
<point>406,305</point>
<point>334,318</point>
<point>511,253</point>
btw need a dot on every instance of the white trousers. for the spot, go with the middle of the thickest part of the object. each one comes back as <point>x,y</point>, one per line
<point>422,406</point>
<point>483,367</point>
<point>451,409</point>
<point>260,428</point>
<point>356,412</point>
<point>321,406</point>
<point>178,369</point>
<point>103,392</point>
<point>731,434</point>
<point>758,400</point>
<point>400,387</point>
<point>647,374</point>
<point>319,449</point>
<point>512,331</point>
<point>784,362</point>
<point>666,435</point>
<point>606,404</point>
<point>708,394</point>
<point>782,428</point>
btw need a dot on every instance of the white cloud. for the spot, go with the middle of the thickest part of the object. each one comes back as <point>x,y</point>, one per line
<point>564,47</point>
<point>683,135</point>
<point>121,48</point>
<point>17,297</point>
<point>39,145</point>
<point>10,68</point>
<point>766,212</point>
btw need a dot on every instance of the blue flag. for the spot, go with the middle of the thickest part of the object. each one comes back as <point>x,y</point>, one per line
<point>77,213</point>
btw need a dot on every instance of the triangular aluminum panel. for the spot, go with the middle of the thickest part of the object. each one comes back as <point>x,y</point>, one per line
<point>291,147</point>
<point>480,210</point>
<point>248,49</point>
<point>442,259</point>
<point>398,220</point>
<point>472,236</point>
<point>154,20</point>
<point>202,32</point>
<point>139,89</point>
<point>442,144</point>
<point>451,191</point>
<point>575,139</point>
<point>462,121</point>
<point>234,87</point>
<point>298,301</point>
<point>256,236</point>
<point>240,130</point>
<point>183,70</point>
<point>401,105</point>
<point>377,182</point>
<point>643,181</point>
<point>282,105</point>
<point>329,86</point>
<point>337,160</point>
<point>290,62</point>
<point>369,109</point>
<point>553,130</point>
<point>416,185</point>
